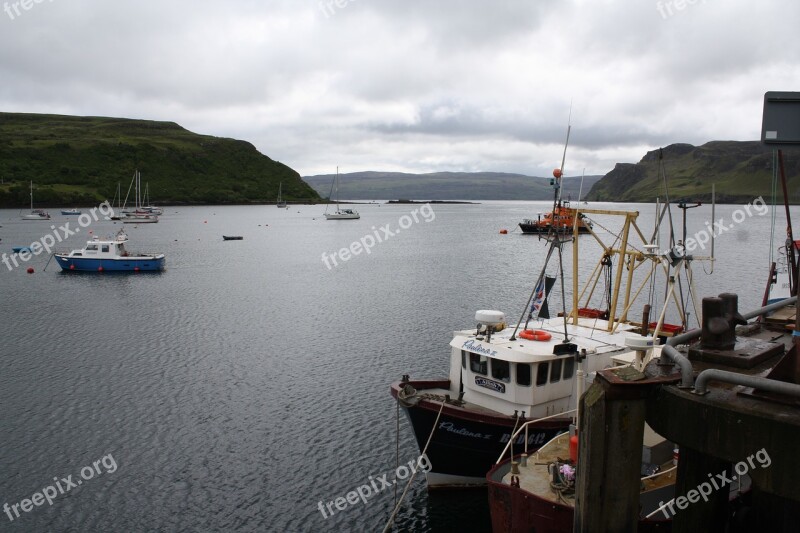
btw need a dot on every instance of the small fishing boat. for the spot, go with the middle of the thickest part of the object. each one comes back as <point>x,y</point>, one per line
<point>36,214</point>
<point>109,255</point>
<point>71,211</point>
<point>18,249</point>
<point>232,237</point>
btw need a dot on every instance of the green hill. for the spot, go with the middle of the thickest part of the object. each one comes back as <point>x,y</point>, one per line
<point>446,186</point>
<point>741,172</point>
<point>79,161</point>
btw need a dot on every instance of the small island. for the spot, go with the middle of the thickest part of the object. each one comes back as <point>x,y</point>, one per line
<point>404,201</point>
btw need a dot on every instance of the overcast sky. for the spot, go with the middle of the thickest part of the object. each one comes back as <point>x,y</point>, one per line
<point>411,85</point>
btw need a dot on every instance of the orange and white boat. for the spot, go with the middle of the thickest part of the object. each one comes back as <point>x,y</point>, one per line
<point>562,219</point>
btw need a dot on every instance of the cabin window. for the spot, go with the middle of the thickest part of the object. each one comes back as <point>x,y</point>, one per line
<point>501,370</point>
<point>105,248</point>
<point>463,359</point>
<point>478,364</point>
<point>92,247</point>
<point>569,367</point>
<point>523,374</point>
<point>541,374</point>
<point>555,371</point>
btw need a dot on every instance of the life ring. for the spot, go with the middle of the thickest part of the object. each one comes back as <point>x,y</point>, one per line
<point>535,335</point>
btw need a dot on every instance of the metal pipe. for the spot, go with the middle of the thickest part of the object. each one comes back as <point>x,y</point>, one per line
<point>757,382</point>
<point>670,354</point>
<point>770,307</point>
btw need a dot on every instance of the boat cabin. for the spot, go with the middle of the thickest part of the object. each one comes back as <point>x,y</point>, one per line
<point>528,375</point>
<point>102,249</point>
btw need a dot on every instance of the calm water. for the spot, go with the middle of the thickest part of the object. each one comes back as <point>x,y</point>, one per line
<point>248,382</point>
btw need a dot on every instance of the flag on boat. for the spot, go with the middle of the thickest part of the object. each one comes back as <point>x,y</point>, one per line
<point>539,304</point>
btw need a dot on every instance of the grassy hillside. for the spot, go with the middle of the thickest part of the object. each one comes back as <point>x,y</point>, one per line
<point>446,186</point>
<point>80,160</point>
<point>741,172</point>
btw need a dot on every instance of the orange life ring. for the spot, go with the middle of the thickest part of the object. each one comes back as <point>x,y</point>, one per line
<point>534,335</point>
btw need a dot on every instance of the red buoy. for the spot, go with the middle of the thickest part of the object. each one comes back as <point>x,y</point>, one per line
<point>99,269</point>
<point>503,232</point>
<point>573,448</point>
<point>557,172</point>
<point>72,267</point>
<point>136,269</point>
<point>30,270</point>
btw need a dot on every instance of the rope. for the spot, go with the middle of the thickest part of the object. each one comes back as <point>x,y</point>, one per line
<point>396,445</point>
<point>405,490</point>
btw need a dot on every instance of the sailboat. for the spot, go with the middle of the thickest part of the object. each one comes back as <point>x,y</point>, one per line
<point>146,206</point>
<point>340,214</point>
<point>137,215</point>
<point>280,203</point>
<point>36,214</point>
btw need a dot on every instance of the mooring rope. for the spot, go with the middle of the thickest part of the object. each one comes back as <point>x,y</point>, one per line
<point>405,490</point>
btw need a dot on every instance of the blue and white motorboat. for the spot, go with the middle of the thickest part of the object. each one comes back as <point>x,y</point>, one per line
<point>109,255</point>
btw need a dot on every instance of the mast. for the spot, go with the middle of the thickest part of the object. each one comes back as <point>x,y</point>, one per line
<point>31,196</point>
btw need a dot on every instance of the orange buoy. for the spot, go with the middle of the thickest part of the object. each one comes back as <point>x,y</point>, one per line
<point>557,172</point>
<point>30,270</point>
<point>534,335</point>
<point>503,232</point>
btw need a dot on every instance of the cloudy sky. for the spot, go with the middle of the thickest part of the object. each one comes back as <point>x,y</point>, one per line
<point>411,85</point>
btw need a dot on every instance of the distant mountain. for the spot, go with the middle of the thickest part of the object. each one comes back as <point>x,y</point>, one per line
<point>79,161</point>
<point>446,186</point>
<point>741,171</point>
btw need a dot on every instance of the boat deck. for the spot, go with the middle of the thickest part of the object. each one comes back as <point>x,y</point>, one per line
<point>535,478</point>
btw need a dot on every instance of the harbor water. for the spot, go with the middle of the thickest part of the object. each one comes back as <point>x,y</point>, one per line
<point>246,387</point>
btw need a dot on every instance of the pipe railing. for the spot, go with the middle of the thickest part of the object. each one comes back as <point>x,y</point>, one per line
<point>757,382</point>
<point>669,354</point>
<point>525,427</point>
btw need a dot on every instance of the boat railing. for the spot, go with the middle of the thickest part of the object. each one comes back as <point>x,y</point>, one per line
<point>524,427</point>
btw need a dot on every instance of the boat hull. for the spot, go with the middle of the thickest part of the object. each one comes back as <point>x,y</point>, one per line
<point>534,229</point>
<point>465,444</point>
<point>123,264</point>
<point>139,219</point>
<point>515,510</point>
<point>337,216</point>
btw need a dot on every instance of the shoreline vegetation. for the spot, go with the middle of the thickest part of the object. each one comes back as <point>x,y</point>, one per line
<point>79,161</point>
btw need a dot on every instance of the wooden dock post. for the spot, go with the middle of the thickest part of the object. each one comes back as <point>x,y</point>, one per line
<point>610,447</point>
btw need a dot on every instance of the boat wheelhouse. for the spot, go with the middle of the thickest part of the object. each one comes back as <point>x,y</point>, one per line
<point>109,255</point>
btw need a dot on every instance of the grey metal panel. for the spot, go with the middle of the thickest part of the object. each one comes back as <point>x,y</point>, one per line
<point>780,126</point>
